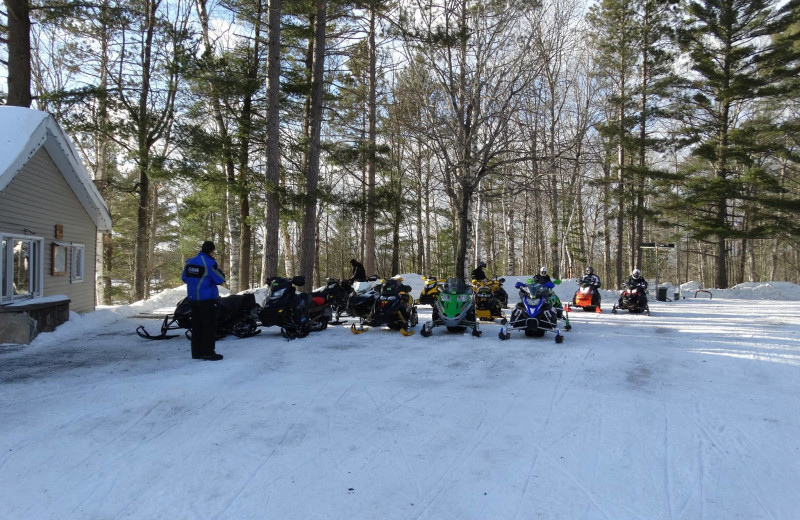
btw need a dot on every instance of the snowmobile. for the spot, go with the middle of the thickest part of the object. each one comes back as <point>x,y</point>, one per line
<point>297,314</point>
<point>587,297</point>
<point>236,314</point>
<point>392,306</point>
<point>533,314</point>
<point>361,301</point>
<point>453,308</point>
<point>488,305</point>
<point>430,291</point>
<point>337,293</point>
<point>562,311</point>
<point>633,299</point>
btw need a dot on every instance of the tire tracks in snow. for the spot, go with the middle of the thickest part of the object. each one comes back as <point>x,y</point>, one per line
<point>479,435</point>
<point>719,444</point>
<point>254,474</point>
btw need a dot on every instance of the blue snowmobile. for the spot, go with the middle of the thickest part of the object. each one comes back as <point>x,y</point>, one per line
<point>534,314</point>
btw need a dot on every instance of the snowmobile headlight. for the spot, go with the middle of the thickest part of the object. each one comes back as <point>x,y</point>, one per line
<point>444,297</point>
<point>277,294</point>
<point>463,298</point>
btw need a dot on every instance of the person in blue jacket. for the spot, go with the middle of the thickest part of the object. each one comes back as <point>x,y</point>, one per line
<point>202,276</point>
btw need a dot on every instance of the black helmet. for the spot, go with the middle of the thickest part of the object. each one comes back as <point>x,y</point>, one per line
<point>589,270</point>
<point>481,263</point>
<point>543,270</point>
<point>636,273</point>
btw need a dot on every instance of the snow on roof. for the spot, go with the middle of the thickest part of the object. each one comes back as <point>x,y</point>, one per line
<point>23,132</point>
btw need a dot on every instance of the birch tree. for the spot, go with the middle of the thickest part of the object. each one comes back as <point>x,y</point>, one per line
<point>476,53</point>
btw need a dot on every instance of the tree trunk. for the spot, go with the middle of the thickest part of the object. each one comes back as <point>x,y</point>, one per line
<point>464,227</point>
<point>238,223</point>
<point>721,173</point>
<point>289,264</point>
<point>143,245</point>
<point>19,53</point>
<point>102,172</point>
<point>620,212</point>
<point>369,237</point>
<point>421,257</point>
<point>607,220</point>
<point>308,241</point>
<point>227,157</point>
<point>508,205</point>
<point>271,202</point>
<point>153,236</point>
<point>476,232</point>
<point>427,196</point>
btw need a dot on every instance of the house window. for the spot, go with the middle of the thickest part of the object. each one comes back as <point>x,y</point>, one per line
<point>21,266</point>
<point>77,262</point>
<point>59,257</point>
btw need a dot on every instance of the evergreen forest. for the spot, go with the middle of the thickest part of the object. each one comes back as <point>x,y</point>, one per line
<point>421,136</point>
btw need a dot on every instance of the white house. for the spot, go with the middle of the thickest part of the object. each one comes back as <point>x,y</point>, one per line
<point>50,217</point>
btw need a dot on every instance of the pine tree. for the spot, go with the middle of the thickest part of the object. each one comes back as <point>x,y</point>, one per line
<point>730,74</point>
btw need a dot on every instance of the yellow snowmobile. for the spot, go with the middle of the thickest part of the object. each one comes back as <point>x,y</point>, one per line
<point>430,291</point>
<point>392,307</point>
<point>488,304</point>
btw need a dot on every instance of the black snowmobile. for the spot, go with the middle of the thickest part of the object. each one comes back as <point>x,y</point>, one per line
<point>633,299</point>
<point>339,294</point>
<point>296,313</point>
<point>236,314</point>
<point>361,301</point>
<point>392,305</point>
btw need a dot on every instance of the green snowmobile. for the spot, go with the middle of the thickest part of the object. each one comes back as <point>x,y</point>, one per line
<point>562,311</point>
<point>454,309</point>
<point>555,302</point>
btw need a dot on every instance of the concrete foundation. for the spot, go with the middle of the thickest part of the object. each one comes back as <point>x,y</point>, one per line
<point>21,322</point>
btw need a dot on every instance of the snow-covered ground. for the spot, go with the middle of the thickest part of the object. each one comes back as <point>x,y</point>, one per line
<point>690,413</point>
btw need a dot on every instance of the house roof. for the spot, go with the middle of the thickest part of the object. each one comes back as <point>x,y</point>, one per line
<point>23,132</point>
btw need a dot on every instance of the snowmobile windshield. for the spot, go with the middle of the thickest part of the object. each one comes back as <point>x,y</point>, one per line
<point>278,286</point>
<point>391,287</point>
<point>455,286</point>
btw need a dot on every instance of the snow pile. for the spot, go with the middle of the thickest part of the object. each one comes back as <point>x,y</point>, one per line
<point>786,291</point>
<point>105,315</point>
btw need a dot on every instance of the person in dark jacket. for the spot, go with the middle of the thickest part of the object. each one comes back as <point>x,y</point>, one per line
<point>590,278</point>
<point>593,281</point>
<point>637,280</point>
<point>542,278</point>
<point>202,276</point>
<point>477,273</point>
<point>359,274</point>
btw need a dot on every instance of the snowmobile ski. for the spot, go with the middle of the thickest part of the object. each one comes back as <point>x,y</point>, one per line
<point>142,332</point>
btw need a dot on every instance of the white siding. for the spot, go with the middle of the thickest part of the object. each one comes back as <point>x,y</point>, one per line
<point>37,199</point>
